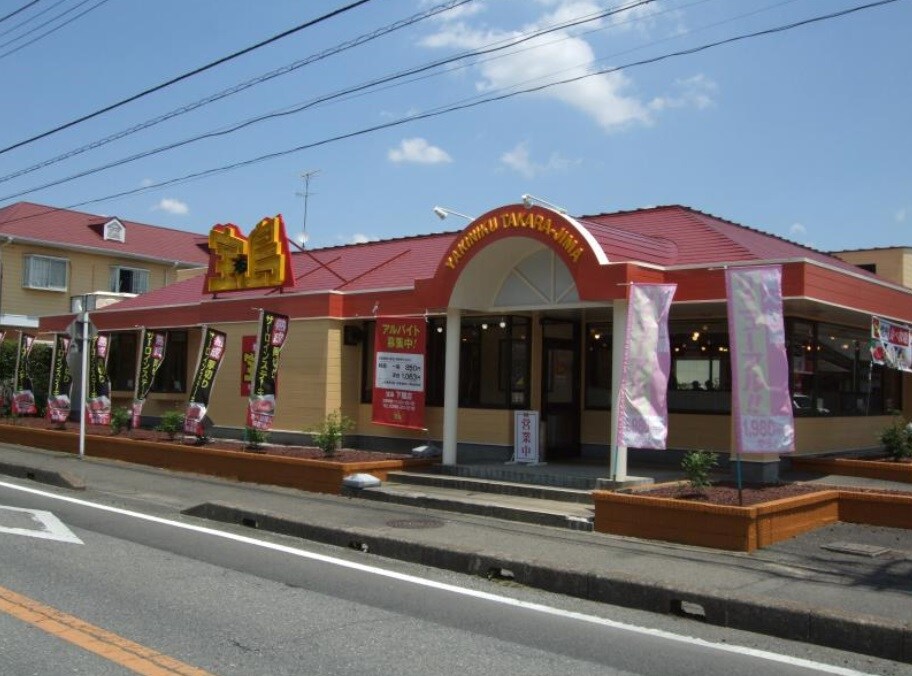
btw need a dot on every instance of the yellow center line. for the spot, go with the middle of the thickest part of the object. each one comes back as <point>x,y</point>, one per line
<point>133,656</point>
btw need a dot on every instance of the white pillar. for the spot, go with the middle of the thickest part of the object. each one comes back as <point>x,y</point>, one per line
<point>618,340</point>
<point>451,384</point>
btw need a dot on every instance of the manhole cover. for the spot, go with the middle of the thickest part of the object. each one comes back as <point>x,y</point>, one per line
<point>415,523</point>
<point>857,549</point>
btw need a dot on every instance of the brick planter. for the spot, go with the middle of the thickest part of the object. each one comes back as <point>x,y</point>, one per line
<point>319,476</point>
<point>744,528</point>
<point>869,469</point>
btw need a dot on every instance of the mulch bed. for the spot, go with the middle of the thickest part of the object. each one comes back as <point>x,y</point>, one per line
<point>727,494</point>
<point>143,434</point>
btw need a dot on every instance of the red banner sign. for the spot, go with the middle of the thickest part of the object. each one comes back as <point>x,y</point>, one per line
<point>399,372</point>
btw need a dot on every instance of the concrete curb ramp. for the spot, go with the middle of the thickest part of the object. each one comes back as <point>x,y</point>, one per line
<point>866,634</point>
<point>51,478</point>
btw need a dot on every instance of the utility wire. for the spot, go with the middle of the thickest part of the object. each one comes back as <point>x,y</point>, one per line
<point>464,106</point>
<point>32,18</point>
<point>367,37</point>
<point>16,11</point>
<point>186,75</point>
<point>42,25</point>
<point>498,46</point>
<point>54,29</point>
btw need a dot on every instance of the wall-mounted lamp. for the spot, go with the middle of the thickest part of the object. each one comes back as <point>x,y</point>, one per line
<point>529,200</point>
<point>502,324</point>
<point>443,212</point>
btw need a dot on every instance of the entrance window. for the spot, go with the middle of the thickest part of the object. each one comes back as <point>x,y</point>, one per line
<point>598,366</point>
<point>172,374</point>
<point>494,362</point>
<point>700,368</point>
<point>122,360</point>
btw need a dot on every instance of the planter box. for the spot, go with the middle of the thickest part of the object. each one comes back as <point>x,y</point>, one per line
<point>869,469</point>
<point>744,528</point>
<point>319,476</point>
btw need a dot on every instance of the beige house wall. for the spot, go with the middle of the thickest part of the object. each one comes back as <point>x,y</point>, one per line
<point>893,264</point>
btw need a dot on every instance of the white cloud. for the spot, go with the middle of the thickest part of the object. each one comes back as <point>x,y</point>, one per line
<point>146,182</point>
<point>357,238</point>
<point>172,206</point>
<point>456,13</point>
<point>901,215</point>
<point>697,92</point>
<point>519,160</point>
<point>418,151</point>
<point>797,231</point>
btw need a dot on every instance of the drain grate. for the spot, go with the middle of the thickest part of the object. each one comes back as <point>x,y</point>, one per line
<point>857,549</point>
<point>415,524</point>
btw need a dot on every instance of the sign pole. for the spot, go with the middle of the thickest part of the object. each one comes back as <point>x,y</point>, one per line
<point>84,384</point>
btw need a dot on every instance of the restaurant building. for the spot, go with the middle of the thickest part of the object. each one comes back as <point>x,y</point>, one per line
<point>525,310</point>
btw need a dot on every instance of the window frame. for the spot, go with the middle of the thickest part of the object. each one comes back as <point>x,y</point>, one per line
<point>114,280</point>
<point>27,271</point>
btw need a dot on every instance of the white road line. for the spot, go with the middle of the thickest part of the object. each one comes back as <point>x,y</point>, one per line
<point>442,586</point>
<point>47,526</point>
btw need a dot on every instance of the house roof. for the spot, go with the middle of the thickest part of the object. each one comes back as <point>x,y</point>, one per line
<point>39,224</point>
<point>666,236</point>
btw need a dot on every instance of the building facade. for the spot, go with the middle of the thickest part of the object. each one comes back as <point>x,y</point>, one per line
<point>525,310</point>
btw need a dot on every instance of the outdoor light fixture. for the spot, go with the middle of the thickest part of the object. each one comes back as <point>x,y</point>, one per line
<point>443,212</point>
<point>503,323</point>
<point>529,200</point>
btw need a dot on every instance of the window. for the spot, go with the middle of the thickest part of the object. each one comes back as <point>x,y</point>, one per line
<point>832,372</point>
<point>115,231</point>
<point>700,368</point>
<point>122,360</point>
<point>45,272</point>
<point>598,366</point>
<point>367,363</point>
<point>172,374</point>
<point>129,280</point>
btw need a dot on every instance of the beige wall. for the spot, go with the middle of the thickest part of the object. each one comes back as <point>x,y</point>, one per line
<point>88,272</point>
<point>892,264</point>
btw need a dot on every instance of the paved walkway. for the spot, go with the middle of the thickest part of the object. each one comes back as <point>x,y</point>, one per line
<point>801,589</point>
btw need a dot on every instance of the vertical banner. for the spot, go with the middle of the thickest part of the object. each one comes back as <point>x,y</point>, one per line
<point>525,437</point>
<point>2,390</point>
<point>891,344</point>
<point>248,357</point>
<point>212,349</point>
<point>58,401</point>
<point>262,402</point>
<point>98,399</point>
<point>23,397</point>
<point>399,372</point>
<point>643,397</point>
<point>152,346</point>
<point>761,404</point>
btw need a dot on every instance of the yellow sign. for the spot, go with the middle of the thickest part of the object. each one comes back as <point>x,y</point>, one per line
<point>563,236</point>
<point>260,261</point>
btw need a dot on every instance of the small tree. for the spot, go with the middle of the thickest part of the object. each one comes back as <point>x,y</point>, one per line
<point>328,434</point>
<point>897,439</point>
<point>696,466</point>
<point>120,419</point>
<point>171,423</point>
<point>255,438</point>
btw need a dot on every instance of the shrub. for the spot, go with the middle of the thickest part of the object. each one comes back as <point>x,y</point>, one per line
<point>696,466</point>
<point>897,439</point>
<point>120,420</point>
<point>255,438</point>
<point>328,434</point>
<point>171,423</point>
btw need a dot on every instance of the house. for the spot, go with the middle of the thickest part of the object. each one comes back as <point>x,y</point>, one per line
<point>50,259</point>
<point>525,310</point>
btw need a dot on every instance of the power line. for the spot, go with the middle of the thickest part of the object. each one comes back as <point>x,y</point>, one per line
<point>16,11</point>
<point>367,37</point>
<point>495,47</point>
<point>54,29</point>
<point>465,106</point>
<point>32,18</point>
<point>186,75</point>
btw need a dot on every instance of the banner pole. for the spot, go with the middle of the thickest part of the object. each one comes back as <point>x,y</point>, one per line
<point>738,473</point>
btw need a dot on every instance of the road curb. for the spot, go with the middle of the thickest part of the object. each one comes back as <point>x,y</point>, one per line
<point>865,634</point>
<point>44,476</point>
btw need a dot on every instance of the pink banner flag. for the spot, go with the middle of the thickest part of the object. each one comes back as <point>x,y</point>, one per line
<point>643,400</point>
<point>761,405</point>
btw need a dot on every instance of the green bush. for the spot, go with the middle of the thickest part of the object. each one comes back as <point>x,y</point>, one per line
<point>120,419</point>
<point>254,438</point>
<point>696,466</point>
<point>897,439</point>
<point>327,436</point>
<point>171,423</point>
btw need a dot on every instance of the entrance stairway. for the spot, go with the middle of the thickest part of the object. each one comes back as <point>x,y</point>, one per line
<point>552,495</point>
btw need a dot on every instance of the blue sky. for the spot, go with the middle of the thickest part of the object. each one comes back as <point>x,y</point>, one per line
<point>803,133</point>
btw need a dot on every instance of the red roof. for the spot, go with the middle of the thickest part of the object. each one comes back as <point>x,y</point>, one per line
<point>665,236</point>
<point>64,228</point>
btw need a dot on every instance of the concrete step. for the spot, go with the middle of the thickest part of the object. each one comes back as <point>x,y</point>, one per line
<point>478,485</point>
<point>543,512</point>
<point>541,475</point>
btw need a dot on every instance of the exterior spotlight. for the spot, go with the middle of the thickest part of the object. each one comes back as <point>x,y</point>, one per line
<point>484,326</point>
<point>443,212</point>
<point>528,200</point>
<point>503,324</point>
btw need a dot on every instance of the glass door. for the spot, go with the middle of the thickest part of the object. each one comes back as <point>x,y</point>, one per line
<point>560,393</point>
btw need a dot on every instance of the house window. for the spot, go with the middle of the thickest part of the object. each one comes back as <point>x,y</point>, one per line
<point>172,374</point>
<point>129,280</point>
<point>115,231</point>
<point>45,272</point>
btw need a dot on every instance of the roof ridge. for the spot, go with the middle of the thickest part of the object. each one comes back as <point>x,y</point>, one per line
<point>403,238</point>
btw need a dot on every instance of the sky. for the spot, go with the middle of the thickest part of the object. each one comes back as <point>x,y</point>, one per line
<point>801,133</point>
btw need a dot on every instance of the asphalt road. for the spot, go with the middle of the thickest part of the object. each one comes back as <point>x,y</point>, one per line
<point>180,595</point>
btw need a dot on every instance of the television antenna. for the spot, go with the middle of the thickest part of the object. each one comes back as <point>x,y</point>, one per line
<point>305,194</point>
